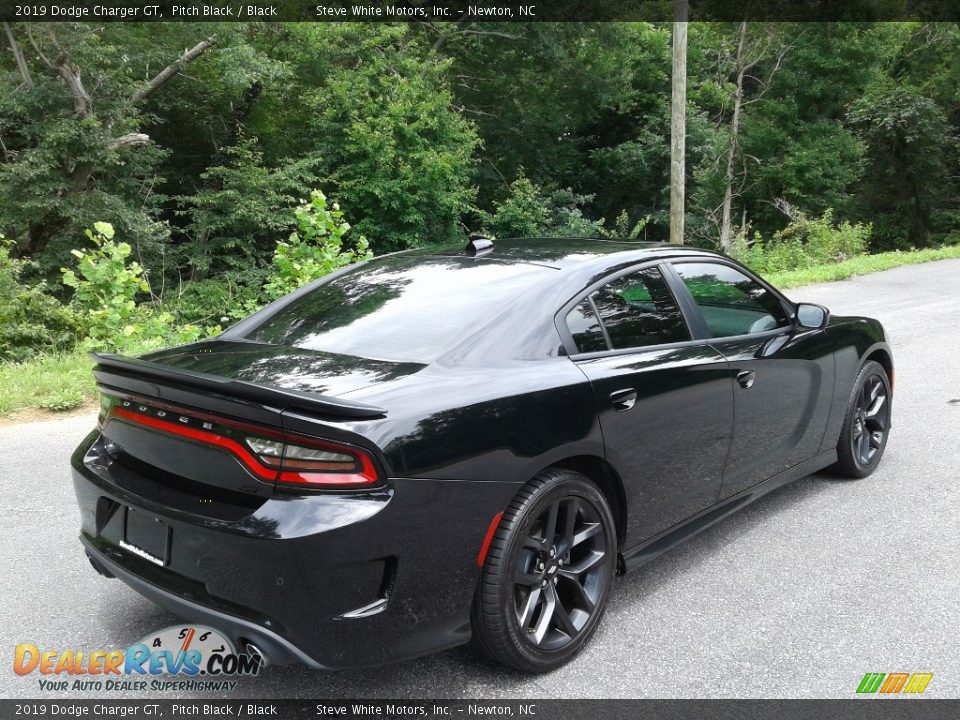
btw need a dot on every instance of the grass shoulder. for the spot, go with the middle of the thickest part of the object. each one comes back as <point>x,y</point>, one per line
<point>54,382</point>
<point>859,265</point>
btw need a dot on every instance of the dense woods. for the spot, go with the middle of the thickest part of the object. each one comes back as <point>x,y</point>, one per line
<point>196,142</point>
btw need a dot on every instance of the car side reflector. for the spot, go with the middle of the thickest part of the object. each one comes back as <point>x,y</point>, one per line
<point>482,555</point>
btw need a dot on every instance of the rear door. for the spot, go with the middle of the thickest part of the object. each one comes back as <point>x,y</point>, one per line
<point>664,399</point>
<point>783,376</point>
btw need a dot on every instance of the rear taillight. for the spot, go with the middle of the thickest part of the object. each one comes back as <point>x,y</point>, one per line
<point>286,458</point>
<point>304,461</point>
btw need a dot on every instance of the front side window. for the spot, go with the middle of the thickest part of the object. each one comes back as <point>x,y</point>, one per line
<point>731,303</point>
<point>636,310</point>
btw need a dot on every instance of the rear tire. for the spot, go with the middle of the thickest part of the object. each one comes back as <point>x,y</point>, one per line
<point>866,426</point>
<point>547,573</point>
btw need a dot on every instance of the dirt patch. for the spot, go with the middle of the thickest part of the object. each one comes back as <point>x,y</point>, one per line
<point>30,415</point>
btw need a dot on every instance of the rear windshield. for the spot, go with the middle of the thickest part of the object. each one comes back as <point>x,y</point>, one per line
<point>403,309</point>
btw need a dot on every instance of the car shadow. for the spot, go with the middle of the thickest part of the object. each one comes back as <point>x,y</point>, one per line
<point>690,554</point>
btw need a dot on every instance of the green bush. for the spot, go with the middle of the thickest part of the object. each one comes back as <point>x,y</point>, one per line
<point>31,321</point>
<point>803,243</point>
<point>315,249</point>
<point>621,229</point>
<point>531,211</point>
<point>105,294</point>
<point>107,285</point>
<point>230,297</point>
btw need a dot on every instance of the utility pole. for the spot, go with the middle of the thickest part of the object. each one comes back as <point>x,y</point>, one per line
<point>678,121</point>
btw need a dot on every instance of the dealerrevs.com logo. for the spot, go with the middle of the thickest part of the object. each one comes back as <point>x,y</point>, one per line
<point>200,658</point>
<point>894,683</point>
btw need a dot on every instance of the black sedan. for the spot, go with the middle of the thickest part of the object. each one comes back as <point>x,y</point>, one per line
<point>444,445</point>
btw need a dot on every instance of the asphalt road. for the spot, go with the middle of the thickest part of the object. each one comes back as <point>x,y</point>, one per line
<point>796,596</point>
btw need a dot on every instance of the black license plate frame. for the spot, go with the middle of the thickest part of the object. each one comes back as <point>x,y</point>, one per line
<point>147,536</point>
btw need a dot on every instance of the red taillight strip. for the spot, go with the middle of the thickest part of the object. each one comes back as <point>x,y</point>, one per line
<point>491,531</point>
<point>202,436</point>
<point>367,476</point>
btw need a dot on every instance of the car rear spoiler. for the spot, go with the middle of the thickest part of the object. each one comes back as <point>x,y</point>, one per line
<point>109,367</point>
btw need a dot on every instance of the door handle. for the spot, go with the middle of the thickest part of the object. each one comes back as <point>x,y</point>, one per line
<point>746,378</point>
<point>623,399</point>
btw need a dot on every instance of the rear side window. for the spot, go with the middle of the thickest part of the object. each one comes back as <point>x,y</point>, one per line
<point>636,310</point>
<point>731,303</point>
<point>585,328</point>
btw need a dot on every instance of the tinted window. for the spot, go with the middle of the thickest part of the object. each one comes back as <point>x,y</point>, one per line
<point>402,308</point>
<point>731,303</point>
<point>638,310</point>
<point>585,328</point>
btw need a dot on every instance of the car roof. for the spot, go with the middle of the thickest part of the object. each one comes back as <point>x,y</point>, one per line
<point>565,252</point>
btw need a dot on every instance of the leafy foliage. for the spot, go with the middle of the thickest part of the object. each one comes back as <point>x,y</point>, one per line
<point>530,211</point>
<point>847,142</point>
<point>239,211</point>
<point>805,242</point>
<point>31,321</point>
<point>315,250</point>
<point>622,230</point>
<point>105,294</point>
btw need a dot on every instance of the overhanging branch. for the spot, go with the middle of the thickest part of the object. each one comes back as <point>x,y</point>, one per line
<point>172,69</point>
<point>130,140</point>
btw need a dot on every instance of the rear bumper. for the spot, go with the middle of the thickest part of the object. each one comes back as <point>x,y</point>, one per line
<point>277,649</point>
<point>294,574</point>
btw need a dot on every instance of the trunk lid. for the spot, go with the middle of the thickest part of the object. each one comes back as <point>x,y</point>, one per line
<point>187,416</point>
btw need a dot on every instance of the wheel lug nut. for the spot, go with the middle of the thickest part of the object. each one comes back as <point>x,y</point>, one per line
<point>553,551</point>
<point>544,584</point>
<point>555,580</point>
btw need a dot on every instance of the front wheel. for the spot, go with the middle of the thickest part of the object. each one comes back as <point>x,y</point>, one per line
<point>866,425</point>
<point>547,573</point>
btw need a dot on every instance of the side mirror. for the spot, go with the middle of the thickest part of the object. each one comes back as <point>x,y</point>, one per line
<point>812,316</point>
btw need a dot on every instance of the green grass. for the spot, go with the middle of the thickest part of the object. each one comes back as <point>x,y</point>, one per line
<point>861,265</point>
<point>60,382</point>
<point>64,382</point>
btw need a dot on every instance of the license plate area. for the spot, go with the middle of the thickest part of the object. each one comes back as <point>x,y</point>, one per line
<point>147,536</point>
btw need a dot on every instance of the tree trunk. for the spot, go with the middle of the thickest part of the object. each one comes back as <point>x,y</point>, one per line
<point>25,78</point>
<point>726,229</point>
<point>678,127</point>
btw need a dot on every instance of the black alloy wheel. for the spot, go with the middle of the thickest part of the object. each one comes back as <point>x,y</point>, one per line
<point>867,424</point>
<point>547,573</point>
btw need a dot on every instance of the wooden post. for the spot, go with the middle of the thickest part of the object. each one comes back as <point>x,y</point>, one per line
<point>678,121</point>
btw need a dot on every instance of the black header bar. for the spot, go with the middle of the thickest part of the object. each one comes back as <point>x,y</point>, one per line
<point>101,11</point>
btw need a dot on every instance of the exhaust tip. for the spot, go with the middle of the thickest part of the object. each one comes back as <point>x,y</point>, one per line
<point>99,568</point>
<point>250,649</point>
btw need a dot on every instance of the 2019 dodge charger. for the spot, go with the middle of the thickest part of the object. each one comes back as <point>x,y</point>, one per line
<point>440,445</point>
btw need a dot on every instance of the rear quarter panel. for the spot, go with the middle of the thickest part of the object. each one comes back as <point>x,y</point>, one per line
<point>498,423</point>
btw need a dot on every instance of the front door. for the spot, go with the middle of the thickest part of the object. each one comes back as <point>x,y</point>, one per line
<point>783,376</point>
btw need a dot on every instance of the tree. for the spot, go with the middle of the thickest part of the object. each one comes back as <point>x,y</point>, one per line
<point>71,155</point>
<point>368,107</point>
<point>747,57</point>
<point>909,118</point>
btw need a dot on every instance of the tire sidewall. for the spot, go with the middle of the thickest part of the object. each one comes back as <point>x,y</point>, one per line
<point>570,484</point>
<point>847,455</point>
